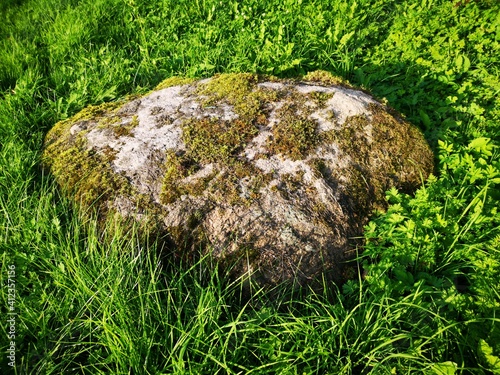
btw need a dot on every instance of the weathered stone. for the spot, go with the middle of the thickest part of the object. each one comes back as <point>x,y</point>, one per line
<point>276,177</point>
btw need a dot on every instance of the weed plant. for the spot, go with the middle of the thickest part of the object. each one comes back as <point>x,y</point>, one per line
<point>426,299</point>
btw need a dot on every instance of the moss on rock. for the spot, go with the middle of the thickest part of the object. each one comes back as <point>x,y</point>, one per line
<point>212,140</point>
<point>295,135</point>
<point>84,174</point>
<point>173,81</point>
<point>325,78</point>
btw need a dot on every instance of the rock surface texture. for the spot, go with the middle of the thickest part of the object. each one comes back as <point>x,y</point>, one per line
<point>276,177</point>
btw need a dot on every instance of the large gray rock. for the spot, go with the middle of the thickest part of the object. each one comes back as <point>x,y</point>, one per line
<point>277,178</point>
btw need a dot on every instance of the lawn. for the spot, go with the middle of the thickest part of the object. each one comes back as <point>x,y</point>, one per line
<point>76,299</point>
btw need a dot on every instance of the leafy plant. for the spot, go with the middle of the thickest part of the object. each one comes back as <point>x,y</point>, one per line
<point>445,240</point>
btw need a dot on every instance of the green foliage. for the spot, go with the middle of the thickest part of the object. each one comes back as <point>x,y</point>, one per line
<point>491,361</point>
<point>445,240</point>
<point>450,228</point>
<point>429,303</point>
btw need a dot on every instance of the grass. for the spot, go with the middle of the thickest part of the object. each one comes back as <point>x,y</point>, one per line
<point>428,303</point>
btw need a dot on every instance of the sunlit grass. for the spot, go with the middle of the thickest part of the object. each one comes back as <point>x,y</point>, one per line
<point>92,301</point>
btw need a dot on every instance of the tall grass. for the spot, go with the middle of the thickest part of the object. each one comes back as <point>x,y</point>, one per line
<point>88,304</point>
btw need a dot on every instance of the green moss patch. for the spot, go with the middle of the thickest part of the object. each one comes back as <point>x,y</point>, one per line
<point>324,78</point>
<point>381,160</point>
<point>94,113</point>
<point>213,140</point>
<point>174,81</point>
<point>294,135</point>
<point>231,87</point>
<point>240,91</point>
<point>177,167</point>
<point>227,186</point>
<point>125,130</point>
<point>84,174</point>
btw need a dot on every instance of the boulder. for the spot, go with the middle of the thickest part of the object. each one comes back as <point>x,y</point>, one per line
<point>276,178</point>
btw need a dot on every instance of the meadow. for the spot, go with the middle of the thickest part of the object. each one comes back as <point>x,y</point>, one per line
<point>426,299</point>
